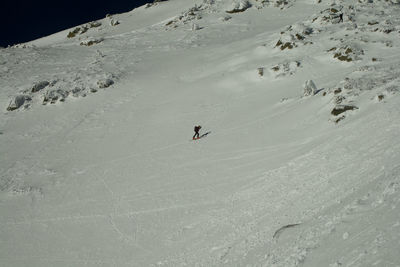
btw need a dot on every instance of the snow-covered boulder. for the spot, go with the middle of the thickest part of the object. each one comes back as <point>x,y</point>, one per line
<point>239,6</point>
<point>39,86</point>
<point>294,36</point>
<point>274,3</point>
<point>77,91</point>
<point>17,102</point>
<point>114,22</point>
<point>309,88</point>
<point>105,83</point>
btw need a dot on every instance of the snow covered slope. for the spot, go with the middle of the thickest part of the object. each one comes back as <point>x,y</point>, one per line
<point>300,166</point>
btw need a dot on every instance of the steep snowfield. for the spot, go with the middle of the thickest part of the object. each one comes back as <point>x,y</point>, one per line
<point>97,164</point>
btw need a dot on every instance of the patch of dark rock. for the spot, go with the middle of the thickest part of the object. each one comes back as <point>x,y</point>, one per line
<point>74,32</point>
<point>276,68</point>
<point>387,31</point>
<point>339,119</point>
<point>342,57</point>
<point>236,10</point>
<point>308,31</point>
<point>337,91</point>
<point>299,36</point>
<point>83,29</point>
<point>260,71</point>
<point>287,45</point>
<point>339,109</point>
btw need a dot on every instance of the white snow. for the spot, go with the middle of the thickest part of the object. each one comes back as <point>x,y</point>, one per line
<point>95,175</point>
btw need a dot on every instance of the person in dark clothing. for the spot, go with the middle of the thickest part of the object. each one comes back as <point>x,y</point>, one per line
<point>196,130</point>
<point>340,17</point>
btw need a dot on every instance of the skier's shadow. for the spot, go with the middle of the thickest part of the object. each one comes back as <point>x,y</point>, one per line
<point>205,134</point>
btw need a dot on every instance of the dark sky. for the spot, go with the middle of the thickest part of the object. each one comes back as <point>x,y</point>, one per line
<point>28,20</point>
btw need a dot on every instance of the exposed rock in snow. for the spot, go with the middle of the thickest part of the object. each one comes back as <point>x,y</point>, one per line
<point>275,3</point>
<point>105,83</point>
<point>52,96</point>
<point>83,29</point>
<point>260,71</point>
<point>17,102</point>
<point>347,53</point>
<point>39,86</point>
<point>285,68</point>
<point>193,13</point>
<point>339,109</point>
<point>293,36</point>
<point>91,41</point>
<point>333,15</point>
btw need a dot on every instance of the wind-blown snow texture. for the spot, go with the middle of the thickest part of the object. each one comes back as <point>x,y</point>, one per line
<point>301,168</point>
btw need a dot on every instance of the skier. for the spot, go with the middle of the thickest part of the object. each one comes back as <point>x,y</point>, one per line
<point>196,130</point>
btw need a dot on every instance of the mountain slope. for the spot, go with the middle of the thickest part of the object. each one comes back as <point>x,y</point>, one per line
<point>106,174</point>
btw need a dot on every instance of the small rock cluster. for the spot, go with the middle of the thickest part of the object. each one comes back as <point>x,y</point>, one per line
<point>91,41</point>
<point>82,29</point>
<point>333,15</point>
<point>190,15</point>
<point>347,53</point>
<point>275,3</point>
<point>285,68</point>
<point>294,36</point>
<point>50,93</point>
